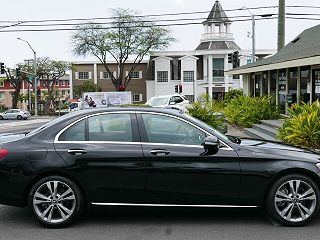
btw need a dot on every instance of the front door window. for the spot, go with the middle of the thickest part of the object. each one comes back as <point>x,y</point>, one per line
<point>164,129</point>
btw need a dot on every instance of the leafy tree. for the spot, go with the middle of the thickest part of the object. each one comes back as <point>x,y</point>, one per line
<point>128,36</point>
<point>16,82</point>
<point>86,86</point>
<point>48,72</point>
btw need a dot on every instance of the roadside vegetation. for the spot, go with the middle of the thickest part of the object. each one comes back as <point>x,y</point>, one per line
<point>302,128</point>
<point>240,110</point>
<point>245,111</point>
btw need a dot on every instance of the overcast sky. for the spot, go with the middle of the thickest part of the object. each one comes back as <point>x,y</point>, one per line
<point>57,44</point>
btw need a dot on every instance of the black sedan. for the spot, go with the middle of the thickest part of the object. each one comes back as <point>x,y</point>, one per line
<point>152,158</point>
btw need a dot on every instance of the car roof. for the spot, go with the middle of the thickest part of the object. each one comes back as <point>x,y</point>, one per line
<point>84,112</point>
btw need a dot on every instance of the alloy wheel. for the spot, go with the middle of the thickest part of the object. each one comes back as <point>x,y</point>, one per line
<point>54,202</point>
<point>295,200</point>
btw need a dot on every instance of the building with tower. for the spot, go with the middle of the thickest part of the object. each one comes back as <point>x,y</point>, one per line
<point>200,71</point>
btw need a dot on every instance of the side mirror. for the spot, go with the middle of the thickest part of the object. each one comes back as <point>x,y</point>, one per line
<point>211,145</point>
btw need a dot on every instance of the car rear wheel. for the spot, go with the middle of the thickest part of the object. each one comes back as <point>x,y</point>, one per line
<point>293,200</point>
<point>19,117</point>
<point>55,201</point>
<point>1,118</point>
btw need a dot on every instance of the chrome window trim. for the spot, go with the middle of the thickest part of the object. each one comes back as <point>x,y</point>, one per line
<point>56,139</point>
<point>172,205</point>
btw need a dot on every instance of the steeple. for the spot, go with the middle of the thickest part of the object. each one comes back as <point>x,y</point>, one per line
<point>217,14</point>
<point>217,34</point>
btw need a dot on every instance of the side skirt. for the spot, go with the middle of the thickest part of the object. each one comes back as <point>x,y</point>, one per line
<point>171,205</point>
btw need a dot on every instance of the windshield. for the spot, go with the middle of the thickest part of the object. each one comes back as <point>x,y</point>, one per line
<point>154,102</point>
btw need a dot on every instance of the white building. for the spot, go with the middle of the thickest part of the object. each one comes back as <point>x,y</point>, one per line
<point>202,70</point>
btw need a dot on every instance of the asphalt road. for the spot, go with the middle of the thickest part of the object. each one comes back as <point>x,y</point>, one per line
<point>16,223</point>
<point>15,126</point>
<point>125,224</point>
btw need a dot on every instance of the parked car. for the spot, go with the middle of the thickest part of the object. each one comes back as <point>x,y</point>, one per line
<point>15,114</point>
<point>153,157</point>
<point>168,101</point>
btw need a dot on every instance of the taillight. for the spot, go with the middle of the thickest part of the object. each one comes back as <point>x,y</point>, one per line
<point>3,153</point>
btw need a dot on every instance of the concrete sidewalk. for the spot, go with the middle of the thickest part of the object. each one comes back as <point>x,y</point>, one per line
<point>233,131</point>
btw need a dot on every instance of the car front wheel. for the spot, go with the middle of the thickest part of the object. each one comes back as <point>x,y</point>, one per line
<point>293,200</point>
<point>19,117</point>
<point>55,201</point>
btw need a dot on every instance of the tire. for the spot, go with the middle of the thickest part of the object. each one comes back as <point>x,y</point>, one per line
<point>47,206</point>
<point>19,117</point>
<point>293,200</point>
<point>1,118</point>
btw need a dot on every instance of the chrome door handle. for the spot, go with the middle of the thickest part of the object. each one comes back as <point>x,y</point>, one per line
<point>159,152</point>
<point>77,151</point>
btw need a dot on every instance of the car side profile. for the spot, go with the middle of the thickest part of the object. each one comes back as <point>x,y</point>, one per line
<point>15,114</point>
<point>150,157</point>
<point>166,101</point>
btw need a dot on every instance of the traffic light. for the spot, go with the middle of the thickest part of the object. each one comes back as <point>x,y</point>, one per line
<point>230,58</point>
<point>180,88</point>
<point>2,68</point>
<point>18,72</point>
<point>38,92</point>
<point>176,88</point>
<point>235,59</point>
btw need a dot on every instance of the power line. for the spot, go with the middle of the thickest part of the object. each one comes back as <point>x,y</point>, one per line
<point>106,28</point>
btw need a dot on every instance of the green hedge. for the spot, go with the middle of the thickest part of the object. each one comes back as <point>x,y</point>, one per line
<point>245,111</point>
<point>303,126</point>
<point>205,108</point>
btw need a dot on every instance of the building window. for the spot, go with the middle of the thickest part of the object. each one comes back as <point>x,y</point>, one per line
<point>62,83</point>
<point>162,76</point>
<point>1,83</point>
<point>137,98</point>
<point>218,67</point>
<point>188,76</point>
<point>63,92</point>
<point>83,75</point>
<point>190,98</point>
<point>67,83</point>
<point>106,75</point>
<point>57,82</point>
<point>1,95</point>
<point>135,75</point>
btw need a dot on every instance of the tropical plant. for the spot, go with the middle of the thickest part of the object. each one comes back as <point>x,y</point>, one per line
<point>206,110</point>
<point>234,93</point>
<point>245,111</point>
<point>129,36</point>
<point>303,126</point>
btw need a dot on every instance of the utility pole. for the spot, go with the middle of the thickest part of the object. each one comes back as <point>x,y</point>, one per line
<point>253,36</point>
<point>35,77</point>
<point>253,39</point>
<point>281,24</point>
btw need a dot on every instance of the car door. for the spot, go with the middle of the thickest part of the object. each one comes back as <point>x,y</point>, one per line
<point>104,152</point>
<point>8,114</point>
<point>177,172</point>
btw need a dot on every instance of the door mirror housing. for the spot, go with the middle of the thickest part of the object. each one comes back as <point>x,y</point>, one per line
<point>211,145</point>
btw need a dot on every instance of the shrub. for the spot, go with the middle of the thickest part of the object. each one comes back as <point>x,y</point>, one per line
<point>206,109</point>
<point>303,126</point>
<point>245,111</point>
<point>234,93</point>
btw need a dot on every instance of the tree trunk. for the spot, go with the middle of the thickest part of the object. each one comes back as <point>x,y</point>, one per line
<point>15,98</point>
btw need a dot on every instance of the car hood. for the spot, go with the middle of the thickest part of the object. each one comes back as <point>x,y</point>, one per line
<point>279,149</point>
<point>9,137</point>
